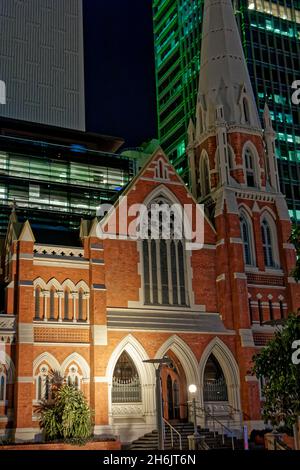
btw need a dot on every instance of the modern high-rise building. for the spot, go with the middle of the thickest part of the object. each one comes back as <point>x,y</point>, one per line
<point>270,34</point>
<point>42,61</point>
<point>56,176</point>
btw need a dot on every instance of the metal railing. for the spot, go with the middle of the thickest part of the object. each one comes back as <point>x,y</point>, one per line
<point>126,390</point>
<point>172,429</point>
<point>224,428</point>
<point>231,411</point>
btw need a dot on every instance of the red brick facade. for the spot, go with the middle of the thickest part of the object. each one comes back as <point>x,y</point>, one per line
<point>224,316</point>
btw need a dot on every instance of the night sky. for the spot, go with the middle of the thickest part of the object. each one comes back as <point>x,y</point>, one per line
<point>119,69</point>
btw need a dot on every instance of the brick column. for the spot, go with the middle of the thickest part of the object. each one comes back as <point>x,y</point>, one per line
<point>24,347</point>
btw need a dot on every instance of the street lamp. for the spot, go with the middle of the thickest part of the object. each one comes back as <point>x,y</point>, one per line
<point>193,391</point>
<point>159,412</point>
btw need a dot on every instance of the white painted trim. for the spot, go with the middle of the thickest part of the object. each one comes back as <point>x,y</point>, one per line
<point>221,277</point>
<point>61,264</point>
<point>236,240</point>
<point>229,367</point>
<point>25,379</point>
<point>240,276</point>
<point>184,354</point>
<point>99,379</point>
<point>250,378</point>
<point>60,325</point>
<point>265,286</point>
<point>219,333</point>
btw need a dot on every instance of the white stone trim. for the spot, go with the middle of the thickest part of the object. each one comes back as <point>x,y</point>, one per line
<point>251,378</point>
<point>236,240</point>
<point>240,276</point>
<point>25,333</point>
<point>288,246</point>
<point>221,277</point>
<point>184,354</point>
<point>99,335</point>
<point>229,367</point>
<point>220,242</point>
<point>25,379</point>
<point>246,336</point>
<point>101,379</point>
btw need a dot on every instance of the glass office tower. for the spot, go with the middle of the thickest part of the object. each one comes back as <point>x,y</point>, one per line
<point>270,34</point>
<point>54,177</point>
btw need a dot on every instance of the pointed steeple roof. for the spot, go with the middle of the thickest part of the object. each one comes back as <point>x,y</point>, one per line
<point>224,77</point>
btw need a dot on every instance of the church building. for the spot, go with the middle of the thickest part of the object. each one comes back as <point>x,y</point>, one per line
<point>95,308</point>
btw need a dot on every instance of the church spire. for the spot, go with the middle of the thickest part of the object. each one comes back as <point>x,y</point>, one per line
<point>224,79</point>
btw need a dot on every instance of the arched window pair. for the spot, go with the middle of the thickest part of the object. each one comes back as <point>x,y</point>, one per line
<point>44,381</point>
<point>164,261</point>
<point>268,230</point>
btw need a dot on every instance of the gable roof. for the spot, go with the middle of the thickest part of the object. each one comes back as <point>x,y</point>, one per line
<point>157,154</point>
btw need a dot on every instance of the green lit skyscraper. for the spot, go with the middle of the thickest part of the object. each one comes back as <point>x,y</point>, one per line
<point>270,34</point>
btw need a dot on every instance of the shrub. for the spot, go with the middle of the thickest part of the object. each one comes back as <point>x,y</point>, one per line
<point>66,416</point>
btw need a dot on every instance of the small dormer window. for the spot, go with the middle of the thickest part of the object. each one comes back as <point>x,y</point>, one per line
<point>246,111</point>
<point>161,170</point>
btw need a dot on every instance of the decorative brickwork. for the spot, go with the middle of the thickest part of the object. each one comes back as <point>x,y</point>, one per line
<point>61,335</point>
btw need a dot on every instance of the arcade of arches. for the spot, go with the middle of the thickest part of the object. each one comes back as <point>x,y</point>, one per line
<point>127,385</point>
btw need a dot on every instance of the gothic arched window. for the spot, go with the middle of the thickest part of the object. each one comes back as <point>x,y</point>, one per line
<point>164,261</point>
<point>204,176</point>
<point>246,235</point>
<point>126,386</point>
<point>250,168</point>
<point>267,244</point>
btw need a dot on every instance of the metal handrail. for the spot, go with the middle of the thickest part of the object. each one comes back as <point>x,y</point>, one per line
<point>220,423</point>
<point>177,432</point>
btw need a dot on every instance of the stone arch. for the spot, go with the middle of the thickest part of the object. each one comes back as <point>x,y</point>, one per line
<point>53,282</point>
<point>49,359</point>
<point>146,372</point>
<point>80,361</point>
<point>229,367</point>
<point>138,354</point>
<point>82,285</point>
<point>68,284</point>
<point>39,282</point>
<point>184,354</point>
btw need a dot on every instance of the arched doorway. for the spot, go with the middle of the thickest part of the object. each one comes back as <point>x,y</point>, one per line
<point>174,390</point>
<point>215,386</point>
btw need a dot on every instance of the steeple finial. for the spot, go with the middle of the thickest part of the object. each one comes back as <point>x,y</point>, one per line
<point>224,77</point>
